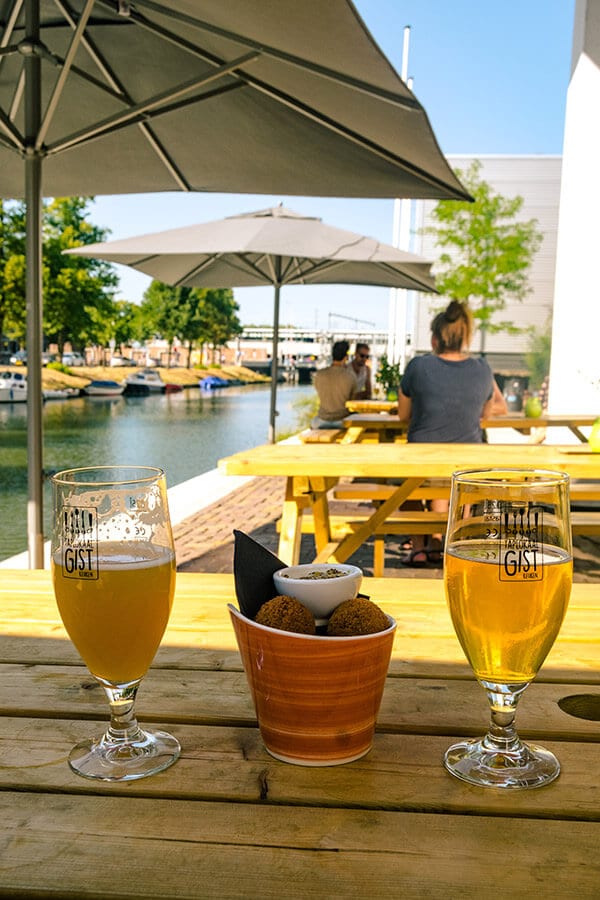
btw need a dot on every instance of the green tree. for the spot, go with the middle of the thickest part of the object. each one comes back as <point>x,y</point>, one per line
<point>217,317</point>
<point>196,316</point>
<point>164,310</point>
<point>12,270</point>
<point>77,291</point>
<point>487,252</point>
<point>538,356</point>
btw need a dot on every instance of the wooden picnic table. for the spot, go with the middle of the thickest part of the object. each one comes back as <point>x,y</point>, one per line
<point>372,406</point>
<point>312,470</point>
<point>227,820</point>
<point>358,425</point>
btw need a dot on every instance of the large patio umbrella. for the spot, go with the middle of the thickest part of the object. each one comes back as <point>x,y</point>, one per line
<point>272,246</point>
<point>249,96</point>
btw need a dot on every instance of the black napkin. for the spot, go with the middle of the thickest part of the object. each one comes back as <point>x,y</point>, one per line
<point>253,567</point>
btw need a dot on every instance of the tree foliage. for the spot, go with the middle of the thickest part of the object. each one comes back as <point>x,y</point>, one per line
<point>487,252</point>
<point>77,290</point>
<point>79,304</point>
<point>196,316</point>
<point>538,356</point>
<point>12,269</point>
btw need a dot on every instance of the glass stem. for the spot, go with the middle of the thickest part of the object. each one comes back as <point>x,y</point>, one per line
<point>502,735</point>
<point>123,726</point>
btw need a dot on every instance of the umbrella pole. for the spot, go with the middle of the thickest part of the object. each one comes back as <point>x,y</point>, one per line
<point>33,290</point>
<point>274,354</point>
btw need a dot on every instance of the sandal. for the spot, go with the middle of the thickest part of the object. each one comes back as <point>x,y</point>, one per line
<point>435,552</point>
<point>434,556</point>
<point>417,559</point>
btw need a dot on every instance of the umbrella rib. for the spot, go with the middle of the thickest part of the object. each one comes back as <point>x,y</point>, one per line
<point>119,89</point>
<point>239,262</point>
<point>64,74</point>
<point>319,266</point>
<point>420,284</point>
<point>128,116</point>
<point>370,89</point>
<point>15,139</point>
<point>343,131</point>
<point>181,282</point>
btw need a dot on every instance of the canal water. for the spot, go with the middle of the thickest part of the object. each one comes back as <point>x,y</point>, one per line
<point>184,433</point>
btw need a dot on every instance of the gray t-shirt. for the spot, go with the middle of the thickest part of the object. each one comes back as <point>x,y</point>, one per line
<point>447,397</point>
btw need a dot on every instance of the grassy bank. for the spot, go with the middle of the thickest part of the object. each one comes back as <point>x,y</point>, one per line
<point>79,377</point>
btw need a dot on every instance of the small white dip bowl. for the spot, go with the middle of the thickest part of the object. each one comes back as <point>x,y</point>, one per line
<point>322,592</point>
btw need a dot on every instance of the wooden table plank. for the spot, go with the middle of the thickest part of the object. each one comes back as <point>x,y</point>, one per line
<point>251,851</point>
<point>424,706</point>
<point>402,772</point>
<point>361,422</point>
<point>199,635</point>
<point>406,460</point>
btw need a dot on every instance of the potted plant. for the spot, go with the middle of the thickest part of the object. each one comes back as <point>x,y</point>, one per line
<point>388,377</point>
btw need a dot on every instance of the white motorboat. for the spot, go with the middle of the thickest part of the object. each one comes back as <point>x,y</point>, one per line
<point>146,381</point>
<point>13,387</point>
<point>60,393</point>
<point>104,388</point>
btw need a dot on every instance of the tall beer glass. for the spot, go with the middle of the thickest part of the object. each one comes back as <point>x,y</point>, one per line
<point>113,571</point>
<point>508,568</point>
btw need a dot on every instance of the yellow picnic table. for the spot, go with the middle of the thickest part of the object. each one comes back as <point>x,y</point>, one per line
<point>372,406</point>
<point>312,470</point>
<point>227,820</point>
<point>379,423</point>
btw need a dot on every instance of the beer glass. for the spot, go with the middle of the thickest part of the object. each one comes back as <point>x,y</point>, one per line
<point>508,568</point>
<point>113,572</point>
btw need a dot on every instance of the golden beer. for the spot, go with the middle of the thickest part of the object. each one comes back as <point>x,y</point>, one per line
<point>117,620</point>
<point>506,612</point>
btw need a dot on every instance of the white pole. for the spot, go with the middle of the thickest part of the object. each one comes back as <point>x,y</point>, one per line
<point>401,240</point>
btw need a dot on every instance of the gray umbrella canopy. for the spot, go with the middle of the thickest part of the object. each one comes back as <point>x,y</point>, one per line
<point>272,246</point>
<point>248,96</point>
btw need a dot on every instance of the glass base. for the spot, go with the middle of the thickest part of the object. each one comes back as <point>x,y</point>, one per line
<point>524,766</point>
<point>125,760</point>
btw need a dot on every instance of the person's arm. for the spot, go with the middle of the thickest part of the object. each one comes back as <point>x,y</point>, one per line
<point>404,407</point>
<point>496,405</point>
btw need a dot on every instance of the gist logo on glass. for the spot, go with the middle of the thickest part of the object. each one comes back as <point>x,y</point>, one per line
<point>80,542</point>
<point>521,557</point>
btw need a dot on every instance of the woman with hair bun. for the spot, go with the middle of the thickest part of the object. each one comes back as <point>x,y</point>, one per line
<point>444,394</point>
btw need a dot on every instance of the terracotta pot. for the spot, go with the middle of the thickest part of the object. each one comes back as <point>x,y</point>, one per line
<point>316,697</point>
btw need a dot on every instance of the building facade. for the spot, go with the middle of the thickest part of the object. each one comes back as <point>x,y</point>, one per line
<point>537,180</point>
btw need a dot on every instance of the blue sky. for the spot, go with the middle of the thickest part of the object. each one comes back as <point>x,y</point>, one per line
<point>492,77</point>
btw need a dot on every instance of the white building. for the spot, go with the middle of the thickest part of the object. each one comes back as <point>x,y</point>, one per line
<point>575,365</point>
<point>537,180</point>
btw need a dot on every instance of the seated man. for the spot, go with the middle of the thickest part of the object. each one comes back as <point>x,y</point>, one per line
<point>334,385</point>
<point>362,371</point>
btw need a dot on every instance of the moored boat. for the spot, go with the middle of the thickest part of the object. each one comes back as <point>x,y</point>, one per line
<point>13,387</point>
<point>99,388</point>
<point>148,381</point>
<point>211,382</point>
<point>60,393</point>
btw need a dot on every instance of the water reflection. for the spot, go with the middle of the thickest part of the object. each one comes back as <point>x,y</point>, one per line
<point>185,433</point>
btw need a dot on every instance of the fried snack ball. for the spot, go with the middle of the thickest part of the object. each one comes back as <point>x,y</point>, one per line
<point>358,616</point>
<point>286,614</point>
